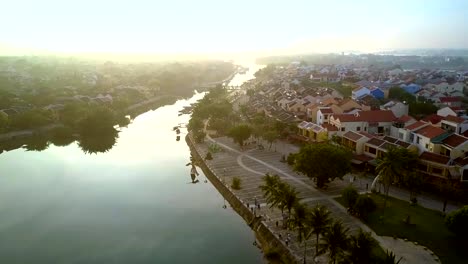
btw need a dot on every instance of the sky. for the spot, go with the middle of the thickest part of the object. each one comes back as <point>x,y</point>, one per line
<point>228,26</point>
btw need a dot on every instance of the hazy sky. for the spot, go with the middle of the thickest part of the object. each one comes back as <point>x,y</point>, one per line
<point>217,26</point>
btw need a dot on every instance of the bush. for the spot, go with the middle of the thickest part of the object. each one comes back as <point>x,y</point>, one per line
<point>208,156</point>
<point>236,183</point>
<point>291,159</point>
<point>457,221</point>
<point>364,206</point>
<point>350,195</point>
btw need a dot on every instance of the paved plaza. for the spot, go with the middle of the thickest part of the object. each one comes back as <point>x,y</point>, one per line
<point>251,164</point>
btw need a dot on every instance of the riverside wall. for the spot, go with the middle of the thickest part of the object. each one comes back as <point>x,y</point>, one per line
<point>267,239</point>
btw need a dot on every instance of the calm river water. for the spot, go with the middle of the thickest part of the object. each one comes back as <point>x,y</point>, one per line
<point>133,204</point>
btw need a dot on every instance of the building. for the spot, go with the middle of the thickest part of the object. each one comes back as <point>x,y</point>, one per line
<point>399,109</point>
<point>374,122</point>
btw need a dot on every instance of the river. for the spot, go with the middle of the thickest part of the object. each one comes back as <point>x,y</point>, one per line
<point>132,204</point>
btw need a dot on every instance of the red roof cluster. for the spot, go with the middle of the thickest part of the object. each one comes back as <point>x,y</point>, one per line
<point>454,119</point>
<point>449,99</point>
<point>432,157</point>
<point>454,140</point>
<point>434,118</point>
<point>416,125</point>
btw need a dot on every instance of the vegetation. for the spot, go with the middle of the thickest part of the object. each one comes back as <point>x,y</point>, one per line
<point>394,166</point>
<point>457,222</point>
<point>417,109</point>
<point>278,193</point>
<point>236,183</point>
<point>335,241</point>
<point>363,206</point>
<point>360,248</point>
<point>319,221</point>
<point>323,162</point>
<point>240,134</point>
<point>350,196</point>
<point>425,226</point>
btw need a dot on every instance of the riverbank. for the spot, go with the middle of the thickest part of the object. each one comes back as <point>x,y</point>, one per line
<point>268,240</point>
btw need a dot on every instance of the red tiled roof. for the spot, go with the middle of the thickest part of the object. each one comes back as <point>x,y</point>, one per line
<point>432,157</point>
<point>416,125</point>
<point>330,127</point>
<point>449,99</point>
<point>375,141</point>
<point>462,161</point>
<point>367,116</point>
<point>434,118</point>
<point>405,118</point>
<point>454,119</point>
<point>352,136</point>
<point>430,131</point>
<point>367,134</point>
<point>454,140</point>
<point>362,157</point>
<point>326,111</point>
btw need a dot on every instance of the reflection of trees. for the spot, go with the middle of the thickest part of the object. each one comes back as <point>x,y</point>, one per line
<point>62,136</point>
<point>37,143</point>
<point>99,142</point>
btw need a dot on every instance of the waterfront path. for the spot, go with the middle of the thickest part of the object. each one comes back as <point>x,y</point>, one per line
<point>250,165</point>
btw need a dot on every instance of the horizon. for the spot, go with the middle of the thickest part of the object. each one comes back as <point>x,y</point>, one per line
<point>209,29</point>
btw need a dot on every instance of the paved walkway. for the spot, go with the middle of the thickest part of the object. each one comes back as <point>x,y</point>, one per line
<point>251,165</point>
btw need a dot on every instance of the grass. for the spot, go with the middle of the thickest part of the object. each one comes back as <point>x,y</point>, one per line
<point>427,228</point>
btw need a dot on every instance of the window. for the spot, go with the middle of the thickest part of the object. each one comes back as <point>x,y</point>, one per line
<point>371,150</point>
<point>342,129</point>
<point>365,128</point>
<point>417,140</point>
<point>427,146</point>
<point>437,171</point>
<point>400,135</point>
<point>358,128</point>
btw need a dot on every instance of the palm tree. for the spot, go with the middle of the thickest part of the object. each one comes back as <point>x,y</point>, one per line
<point>319,221</point>
<point>288,196</point>
<point>298,221</point>
<point>393,166</point>
<point>390,258</point>
<point>360,248</point>
<point>335,241</point>
<point>270,188</point>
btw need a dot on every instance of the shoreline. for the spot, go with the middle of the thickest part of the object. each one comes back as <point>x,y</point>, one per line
<point>263,234</point>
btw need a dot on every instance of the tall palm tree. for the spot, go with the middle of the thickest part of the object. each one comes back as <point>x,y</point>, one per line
<point>360,248</point>
<point>396,163</point>
<point>271,189</point>
<point>318,221</point>
<point>288,197</point>
<point>335,241</point>
<point>298,221</point>
<point>390,258</point>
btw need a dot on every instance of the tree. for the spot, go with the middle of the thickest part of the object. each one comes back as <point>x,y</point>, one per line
<point>299,222</point>
<point>413,181</point>
<point>350,195</point>
<point>390,258</point>
<point>288,196</point>
<point>360,248</point>
<point>318,222</point>
<point>457,221</point>
<point>270,136</point>
<point>29,119</point>
<point>363,206</point>
<point>240,133</point>
<point>323,162</point>
<point>335,241</point>
<point>98,121</point>
<point>393,166</point>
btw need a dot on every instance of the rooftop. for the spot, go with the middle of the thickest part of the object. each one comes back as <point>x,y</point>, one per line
<point>436,158</point>
<point>454,119</point>
<point>454,140</point>
<point>416,125</point>
<point>367,116</point>
<point>430,131</point>
<point>352,136</point>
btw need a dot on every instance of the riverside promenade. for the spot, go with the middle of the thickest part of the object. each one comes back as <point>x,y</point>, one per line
<point>250,165</point>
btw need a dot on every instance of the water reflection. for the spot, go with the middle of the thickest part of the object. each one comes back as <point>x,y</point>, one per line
<point>102,142</point>
<point>37,143</point>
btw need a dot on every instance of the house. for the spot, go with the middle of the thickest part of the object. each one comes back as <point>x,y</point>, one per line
<point>453,146</point>
<point>450,101</point>
<point>348,104</point>
<point>359,92</point>
<point>423,137</point>
<point>399,124</point>
<point>454,124</point>
<point>406,133</point>
<point>377,93</point>
<point>374,121</point>
<point>434,119</point>
<point>446,111</point>
<point>433,164</point>
<point>399,109</point>
<point>323,115</point>
<point>375,147</point>
<point>312,132</point>
<point>354,141</point>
